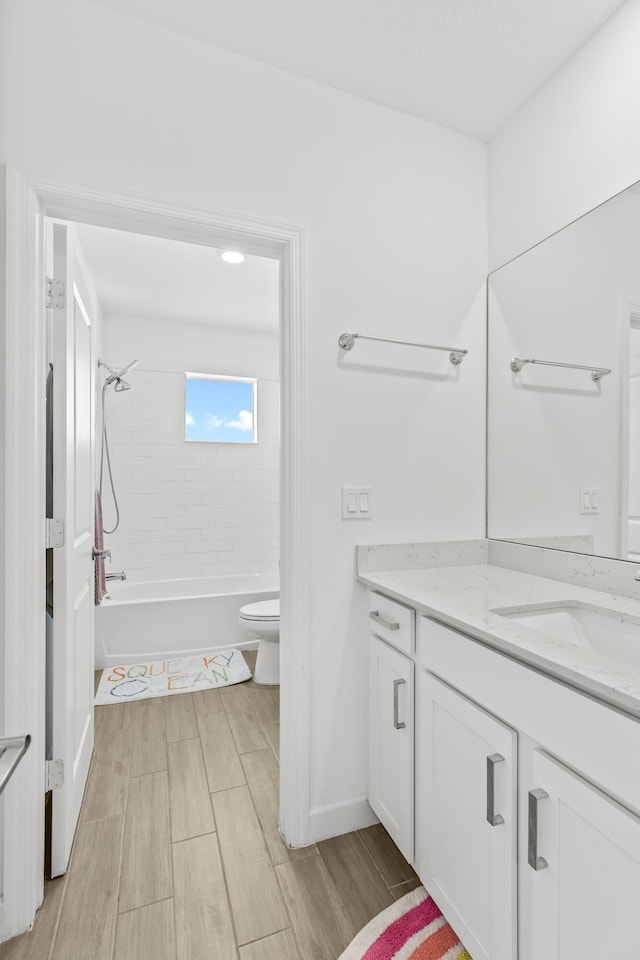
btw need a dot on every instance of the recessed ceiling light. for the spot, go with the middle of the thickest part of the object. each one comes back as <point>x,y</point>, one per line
<point>232,256</point>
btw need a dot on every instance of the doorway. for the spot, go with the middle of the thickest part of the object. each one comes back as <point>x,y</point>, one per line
<point>29,199</point>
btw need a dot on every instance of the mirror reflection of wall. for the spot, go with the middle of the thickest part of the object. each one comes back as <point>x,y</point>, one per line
<point>563,450</point>
<point>633,441</point>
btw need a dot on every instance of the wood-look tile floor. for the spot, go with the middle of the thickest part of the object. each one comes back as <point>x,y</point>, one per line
<point>177,855</point>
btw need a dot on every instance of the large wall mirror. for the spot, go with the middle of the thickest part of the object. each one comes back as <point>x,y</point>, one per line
<point>564,431</point>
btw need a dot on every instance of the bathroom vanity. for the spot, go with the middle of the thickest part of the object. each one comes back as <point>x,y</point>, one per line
<point>504,753</point>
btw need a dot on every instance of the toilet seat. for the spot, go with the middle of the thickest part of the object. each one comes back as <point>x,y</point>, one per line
<point>264,610</point>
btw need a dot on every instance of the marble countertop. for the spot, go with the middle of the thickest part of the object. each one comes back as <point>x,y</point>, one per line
<point>464,597</point>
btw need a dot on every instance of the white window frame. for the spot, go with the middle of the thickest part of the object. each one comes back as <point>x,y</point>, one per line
<point>254,405</point>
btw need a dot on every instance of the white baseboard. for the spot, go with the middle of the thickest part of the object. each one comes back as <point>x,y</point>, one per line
<point>338,818</point>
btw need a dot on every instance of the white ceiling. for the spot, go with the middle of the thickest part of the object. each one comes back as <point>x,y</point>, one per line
<point>154,278</point>
<point>466,64</point>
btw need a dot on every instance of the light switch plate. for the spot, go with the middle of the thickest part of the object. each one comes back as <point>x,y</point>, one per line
<point>356,503</point>
<point>589,499</point>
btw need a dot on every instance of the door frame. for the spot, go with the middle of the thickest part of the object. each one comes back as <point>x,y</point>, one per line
<point>31,195</point>
<point>629,316</point>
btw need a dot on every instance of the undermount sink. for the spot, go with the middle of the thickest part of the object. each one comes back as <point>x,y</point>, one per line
<point>606,632</point>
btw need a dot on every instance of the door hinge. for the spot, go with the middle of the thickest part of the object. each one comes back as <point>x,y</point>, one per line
<point>56,294</point>
<point>53,533</point>
<point>53,774</point>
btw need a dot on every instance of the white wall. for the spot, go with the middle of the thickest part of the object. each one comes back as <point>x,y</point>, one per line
<point>394,211</point>
<point>574,145</point>
<point>189,509</point>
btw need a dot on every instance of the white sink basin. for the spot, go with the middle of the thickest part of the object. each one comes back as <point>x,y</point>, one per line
<point>603,631</point>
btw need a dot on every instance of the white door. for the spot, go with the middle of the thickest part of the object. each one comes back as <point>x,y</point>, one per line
<point>466,818</point>
<point>73,493</point>
<point>391,727</point>
<point>582,901</point>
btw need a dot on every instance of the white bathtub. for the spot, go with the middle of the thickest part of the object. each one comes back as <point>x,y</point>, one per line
<point>146,621</point>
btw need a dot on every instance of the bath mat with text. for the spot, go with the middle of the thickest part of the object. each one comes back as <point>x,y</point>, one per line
<point>161,678</point>
<point>412,928</point>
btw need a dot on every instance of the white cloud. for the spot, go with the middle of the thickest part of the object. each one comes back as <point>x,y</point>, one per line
<point>212,422</point>
<point>244,421</point>
<point>189,421</point>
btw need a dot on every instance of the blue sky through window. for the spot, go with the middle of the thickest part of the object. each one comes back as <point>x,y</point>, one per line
<point>219,410</point>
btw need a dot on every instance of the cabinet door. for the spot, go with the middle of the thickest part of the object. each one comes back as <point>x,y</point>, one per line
<point>582,902</point>
<point>391,728</point>
<point>466,818</point>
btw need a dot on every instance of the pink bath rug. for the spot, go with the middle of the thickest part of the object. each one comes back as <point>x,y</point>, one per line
<point>163,678</point>
<point>412,928</point>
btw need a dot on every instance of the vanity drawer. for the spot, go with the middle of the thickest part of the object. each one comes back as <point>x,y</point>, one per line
<point>392,622</point>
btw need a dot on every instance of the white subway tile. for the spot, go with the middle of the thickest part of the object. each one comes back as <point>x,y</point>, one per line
<point>226,533</point>
<point>133,499</point>
<point>210,476</point>
<point>157,548</point>
<point>175,499</point>
<point>143,523</point>
<point>269,543</point>
<point>159,473</point>
<point>139,376</point>
<point>189,486</point>
<point>179,573</point>
<point>124,450</point>
<point>208,546</point>
<point>218,569</point>
<point>140,486</point>
<point>164,536</point>
<point>148,510</point>
<point>141,561</point>
<point>239,522</point>
<point>251,555</point>
<point>207,510</point>
<point>212,499</point>
<point>183,559</point>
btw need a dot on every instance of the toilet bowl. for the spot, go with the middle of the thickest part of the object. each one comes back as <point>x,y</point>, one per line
<point>261,621</point>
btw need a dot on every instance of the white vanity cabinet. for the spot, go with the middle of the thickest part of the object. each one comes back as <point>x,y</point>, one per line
<point>527,795</point>
<point>467,813</point>
<point>391,719</point>
<point>580,890</point>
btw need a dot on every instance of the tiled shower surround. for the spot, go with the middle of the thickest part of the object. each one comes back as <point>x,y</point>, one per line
<point>189,509</point>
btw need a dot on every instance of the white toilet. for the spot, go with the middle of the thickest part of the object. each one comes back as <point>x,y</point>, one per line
<point>261,621</point>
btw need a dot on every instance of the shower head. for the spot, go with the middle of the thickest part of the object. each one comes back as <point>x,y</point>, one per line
<point>115,376</point>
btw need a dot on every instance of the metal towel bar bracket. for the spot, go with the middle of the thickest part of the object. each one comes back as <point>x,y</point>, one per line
<point>347,340</point>
<point>597,373</point>
<point>12,750</point>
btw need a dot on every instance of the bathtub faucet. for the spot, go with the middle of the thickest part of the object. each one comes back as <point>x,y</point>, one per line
<point>116,576</point>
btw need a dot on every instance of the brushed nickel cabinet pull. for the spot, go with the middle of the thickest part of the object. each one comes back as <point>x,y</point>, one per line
<point>396,685</point>
<point>387,624</point>
<point>536,862</point>
<point>495,819</point>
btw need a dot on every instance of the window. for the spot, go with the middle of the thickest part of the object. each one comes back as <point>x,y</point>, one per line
<point>220,409</point>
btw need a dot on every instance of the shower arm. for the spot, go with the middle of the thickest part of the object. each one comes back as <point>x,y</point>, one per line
<point>117,375</point>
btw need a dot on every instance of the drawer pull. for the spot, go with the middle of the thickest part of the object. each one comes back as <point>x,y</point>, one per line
<point>538,863</point>
<point>387,624</point>
<point>495,819</point>
<point>396,685</point>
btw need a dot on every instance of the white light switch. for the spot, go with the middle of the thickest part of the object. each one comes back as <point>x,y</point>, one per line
<point>356,503</point>
<point>589,500</point>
